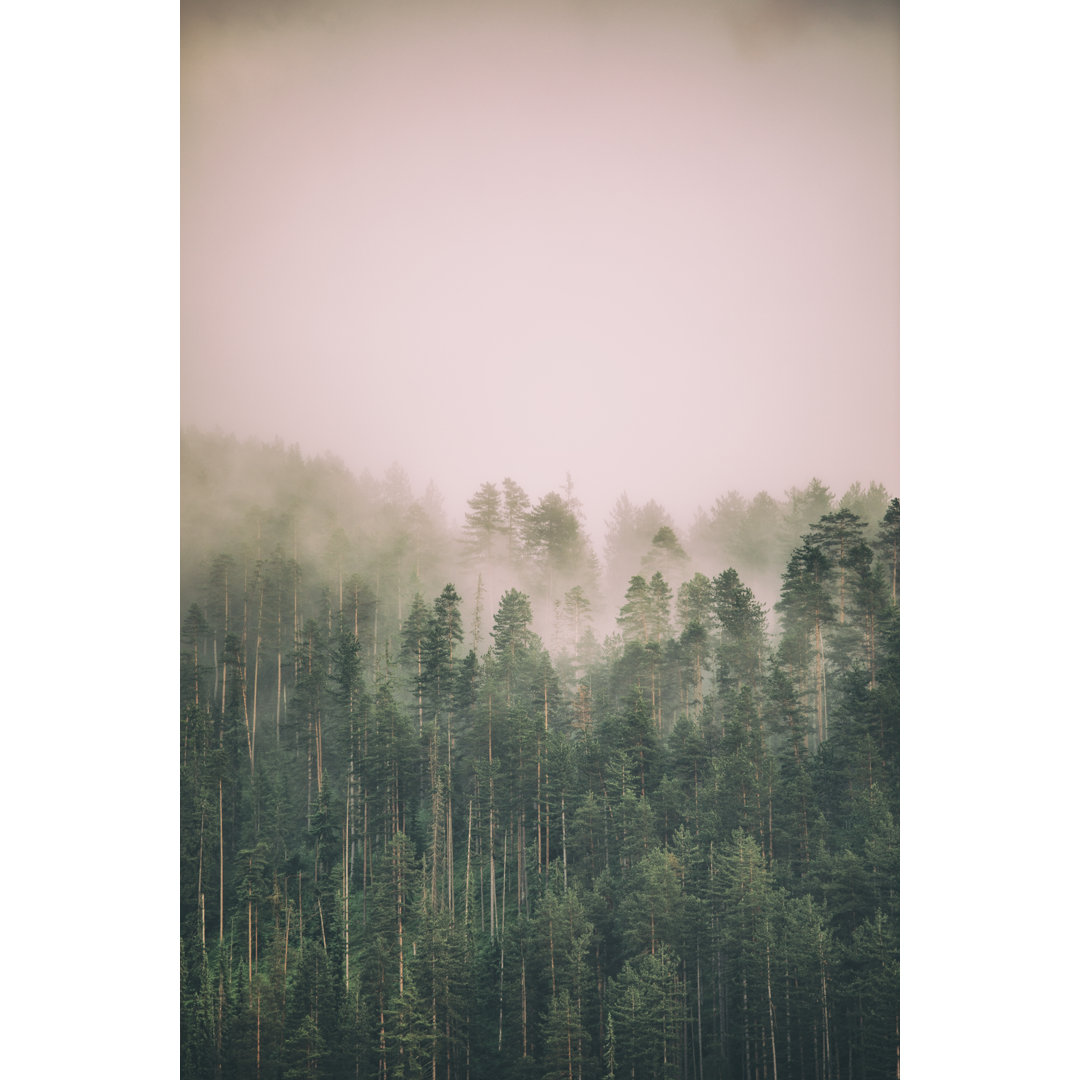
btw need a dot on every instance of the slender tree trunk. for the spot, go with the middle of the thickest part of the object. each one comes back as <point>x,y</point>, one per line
<point>449,830</point>
<point>221,864</point>
<point>746,1030</point>
<point>468,864</point>
<point>285,963</point>
<point>482,903</point>
<point>824,695</point>
<point>569,1043</point>
<point>318,749</point>
<point>278,695</point>
<point>826,1051</point>
<point>434,1023</point>
<point>491,825</point>
<point>399,872</point>
<point>562,802</point>
<point>524,1012</point>
<point>249,927</point>
<point>701,1056</point>
<point>820,681</point>
<point>382,1032</point>
<point>436,811</point>
<point>258,1004</point>
<point>345,888</point>
<point>539,840</point>
<point>255,680</point>
<point>224,658</point>
<point>502,961</point>
<point>772,1010</point>
<point>199,889</point>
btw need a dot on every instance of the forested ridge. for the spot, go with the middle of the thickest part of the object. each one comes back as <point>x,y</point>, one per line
<point>478,802</point>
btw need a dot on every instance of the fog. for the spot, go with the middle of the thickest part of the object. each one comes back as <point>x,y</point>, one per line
<point>653,245</point>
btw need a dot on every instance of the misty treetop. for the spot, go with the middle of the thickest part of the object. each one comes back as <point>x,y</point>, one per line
<point>467,802</point>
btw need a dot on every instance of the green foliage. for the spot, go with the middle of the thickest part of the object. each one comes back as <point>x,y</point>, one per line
<point>484,524</point>
<point>670,856</point>
<point>742,632</point>
<point>553,536</point>
<point>646,1009</point>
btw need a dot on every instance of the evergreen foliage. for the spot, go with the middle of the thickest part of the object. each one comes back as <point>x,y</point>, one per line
<point>404,854</point>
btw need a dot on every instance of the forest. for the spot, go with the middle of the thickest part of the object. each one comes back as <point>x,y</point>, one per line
<point>479,801</point>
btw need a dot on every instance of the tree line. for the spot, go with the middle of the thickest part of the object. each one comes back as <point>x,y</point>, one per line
<point>419,837</point>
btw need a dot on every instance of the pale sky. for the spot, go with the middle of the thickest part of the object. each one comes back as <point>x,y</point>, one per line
<point>646,244</point>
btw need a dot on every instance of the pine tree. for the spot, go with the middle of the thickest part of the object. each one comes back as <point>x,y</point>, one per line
<point>413,642</point>
<point>515,505</point>
<point>484,525</point>
<point>807,607</point>
<point>512,636</point>
<point>742,633</point>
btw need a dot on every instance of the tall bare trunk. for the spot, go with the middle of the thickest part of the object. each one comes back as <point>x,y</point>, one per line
<point>285,962</point>
<point>449,831</point>
<point>524,1012</point>
<point>249,925</point>
<point>826,1050</point>
<point>221,864</point>
<point>564,860</point>
<point>819,685</point>
<point>701,1058</point>
<point>399,872</point>
<point>199,889</point>
<point>491,823</point>
<point>468,864</point>
<point>502,962</point>
<point>345,889</point>
<point>255,679</point>
<point>772,1010</point>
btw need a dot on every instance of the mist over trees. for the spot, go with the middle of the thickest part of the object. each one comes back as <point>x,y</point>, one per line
<point>469,801</point>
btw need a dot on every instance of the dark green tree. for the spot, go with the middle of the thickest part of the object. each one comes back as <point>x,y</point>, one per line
<point>806,608</point>
<point>512,637</point>
<point>414,638</point>
<point>742,633</point>
<point>646,1006</point>
<point>888,546</point>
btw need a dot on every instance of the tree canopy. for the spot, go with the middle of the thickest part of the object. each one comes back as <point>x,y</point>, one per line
<point>417,839</point>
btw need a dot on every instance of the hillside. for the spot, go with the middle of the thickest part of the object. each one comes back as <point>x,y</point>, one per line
<point>476,800</point>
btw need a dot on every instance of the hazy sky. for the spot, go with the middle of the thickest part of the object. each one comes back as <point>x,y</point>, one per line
<point>656,245</point>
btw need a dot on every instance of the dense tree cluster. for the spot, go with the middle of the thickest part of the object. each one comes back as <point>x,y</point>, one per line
<point>431,826</point>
